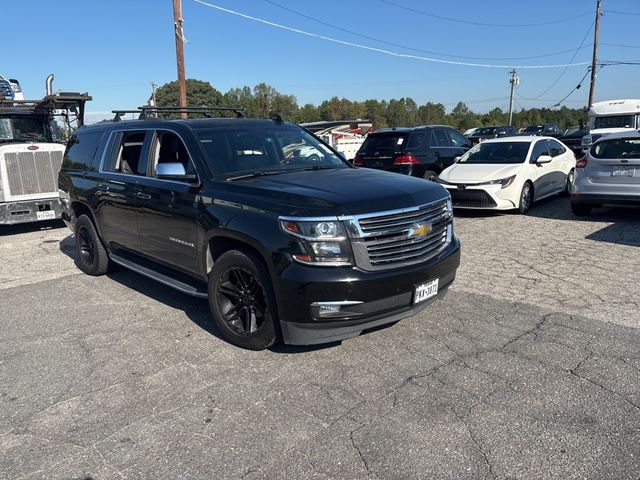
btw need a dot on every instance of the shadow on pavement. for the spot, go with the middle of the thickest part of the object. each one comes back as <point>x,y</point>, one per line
<point>31,227</point>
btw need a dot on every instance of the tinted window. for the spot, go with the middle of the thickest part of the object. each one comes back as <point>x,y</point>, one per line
<point>618,148</point>
<point>555,148</point>
<point>457,139</point>
<point>439,138</point>
<point>419,140</point>
<point>385,144</point>
<point>540,148</point>
<point>485,131</point>
<point>81,151</point>
<point>497,152</point>
<point>615,121</point>
<point>24,128</point>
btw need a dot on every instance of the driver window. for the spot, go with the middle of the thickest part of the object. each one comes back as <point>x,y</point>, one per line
<point>540,148</point>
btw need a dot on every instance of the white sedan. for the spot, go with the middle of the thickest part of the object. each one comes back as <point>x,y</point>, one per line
<point>510,173</point>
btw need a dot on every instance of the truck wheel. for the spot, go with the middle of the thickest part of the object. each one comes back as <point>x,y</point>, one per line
<point>241,300</point>
<point>581,209</point>
<point>526,197</point>
<point>430,175</point>
<point>92,256</point>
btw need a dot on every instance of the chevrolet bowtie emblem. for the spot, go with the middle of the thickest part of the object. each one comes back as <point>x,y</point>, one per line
<point>418,230</point>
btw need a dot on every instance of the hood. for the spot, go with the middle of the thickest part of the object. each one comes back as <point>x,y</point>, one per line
<point>342,191</point>
<point>470,173</point>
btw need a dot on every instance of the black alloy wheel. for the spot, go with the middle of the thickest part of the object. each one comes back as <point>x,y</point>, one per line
<point>241,300</point>
<point>526,198</point>
<point>92,256</point>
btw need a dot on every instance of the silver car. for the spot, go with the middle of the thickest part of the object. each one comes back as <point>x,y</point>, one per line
<point>609,173</point>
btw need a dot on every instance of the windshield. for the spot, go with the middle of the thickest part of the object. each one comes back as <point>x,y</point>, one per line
<point>615,121</point>
<point>278,149</point>
<point>618,148</point>
<point>383,145</point>
<point>533,128</point>
<point>485,131</point>
<point>497,152</point>
<point>19,128</point>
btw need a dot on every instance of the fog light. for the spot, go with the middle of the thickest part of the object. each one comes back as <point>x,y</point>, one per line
<point>327,310</point>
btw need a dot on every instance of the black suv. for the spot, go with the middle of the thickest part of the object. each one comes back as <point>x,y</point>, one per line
<point>488,133</point>
<point>543,130</point>
<point>285,238</point>
<point>421,151</point>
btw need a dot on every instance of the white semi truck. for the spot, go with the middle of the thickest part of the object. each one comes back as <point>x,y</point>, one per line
<point>609,117</point>
<point>31,152</point>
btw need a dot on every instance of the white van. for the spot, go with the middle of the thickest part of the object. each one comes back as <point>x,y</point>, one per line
<point>609,117</point>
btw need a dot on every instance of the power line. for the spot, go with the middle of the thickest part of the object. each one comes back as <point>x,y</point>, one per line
<point>618,12</point>
<point>574,88</point>
<point>618,45</point>
<point>380,50</point>
<point>430,52</point>
<point>467,22</point>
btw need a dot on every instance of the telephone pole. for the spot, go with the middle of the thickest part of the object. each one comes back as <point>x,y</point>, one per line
<point>592,88</point>
<point>513,80</point>
<point>178,31</point>
<point>154,86</point>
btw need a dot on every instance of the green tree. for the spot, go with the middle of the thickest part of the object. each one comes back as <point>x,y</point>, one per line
<point>199,94</point>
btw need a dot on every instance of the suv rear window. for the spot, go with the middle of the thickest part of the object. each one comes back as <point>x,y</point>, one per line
<point>617,148</point>
<point>385,144</point>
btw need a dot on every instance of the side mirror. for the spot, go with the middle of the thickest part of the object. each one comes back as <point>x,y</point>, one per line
<point>543,159</point>
<point>173,171</point>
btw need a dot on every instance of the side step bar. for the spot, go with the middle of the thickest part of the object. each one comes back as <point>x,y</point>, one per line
<point>183,287</point>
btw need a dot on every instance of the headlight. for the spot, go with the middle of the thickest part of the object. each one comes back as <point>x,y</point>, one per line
<point>321,242</point>
<point>503,182</point>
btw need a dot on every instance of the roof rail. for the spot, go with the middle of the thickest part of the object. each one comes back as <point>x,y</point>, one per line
<point>148,111</point>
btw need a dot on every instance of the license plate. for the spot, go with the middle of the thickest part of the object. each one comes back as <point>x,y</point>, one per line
<point>425,291</point>
<point>46,215</point>
<point>623,172</point>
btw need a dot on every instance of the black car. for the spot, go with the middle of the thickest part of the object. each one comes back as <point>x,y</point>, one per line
<point>284,237</point>
<point>572,138</point>
<point>543,130</point>
<point>420,152</point>
<point>487,133</point>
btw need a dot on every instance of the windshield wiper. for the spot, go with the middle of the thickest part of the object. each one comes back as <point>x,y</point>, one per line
<point>260,173</point>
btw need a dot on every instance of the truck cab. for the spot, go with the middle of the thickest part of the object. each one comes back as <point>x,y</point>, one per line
<point>611,116</point>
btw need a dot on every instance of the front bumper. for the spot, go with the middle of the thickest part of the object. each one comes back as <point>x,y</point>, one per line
<point>485,197</point>
<point>382,297</point>
<point>29,211</point>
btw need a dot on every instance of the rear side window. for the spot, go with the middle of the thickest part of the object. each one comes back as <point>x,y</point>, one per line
<point>383,144</point>
<point>128,154</point>
<point>81,152</point>
<point>418,141</point>
<point>439,138</point>
<point>618,148</point>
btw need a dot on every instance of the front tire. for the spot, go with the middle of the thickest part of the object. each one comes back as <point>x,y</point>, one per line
<point>526,198</point>
<point>92,256</point>
<point>430,175</point>
<point>241,300</point>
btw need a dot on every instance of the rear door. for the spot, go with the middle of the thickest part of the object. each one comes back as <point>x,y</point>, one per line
<point>167,218</point>
<point>560,164</point>
<point>447,144</point>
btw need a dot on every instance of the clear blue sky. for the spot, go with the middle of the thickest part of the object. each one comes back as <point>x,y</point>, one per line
<point>114,48</point>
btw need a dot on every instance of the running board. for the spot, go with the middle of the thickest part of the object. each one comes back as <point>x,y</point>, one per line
<point>183,287</point>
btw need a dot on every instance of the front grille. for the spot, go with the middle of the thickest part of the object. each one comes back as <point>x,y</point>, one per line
<point>395,239</point>
<point>33,172</point>
<point>471,198</point>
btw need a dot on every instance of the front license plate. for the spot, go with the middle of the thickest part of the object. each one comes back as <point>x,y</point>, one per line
<point>425,291</point>
<point>46,215</point>
<point>623,172</point>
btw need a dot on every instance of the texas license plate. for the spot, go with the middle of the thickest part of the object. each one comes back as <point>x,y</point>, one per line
<point>46,215</point>
<point>623,172</point>
<point>425,291</point>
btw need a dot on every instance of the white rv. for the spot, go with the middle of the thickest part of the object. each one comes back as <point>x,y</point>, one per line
<point>609,117</point>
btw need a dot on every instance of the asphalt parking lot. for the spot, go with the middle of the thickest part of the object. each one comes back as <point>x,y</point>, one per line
<point>528,369</point>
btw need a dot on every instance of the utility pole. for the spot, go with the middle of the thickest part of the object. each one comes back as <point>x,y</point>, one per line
<point>154,85</point>
<point>592,88</point>
<point>513,80</point>
<point>178,31</point>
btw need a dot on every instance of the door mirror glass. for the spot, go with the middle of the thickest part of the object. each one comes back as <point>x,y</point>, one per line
<point>544,159</point>
<point>173,171</point>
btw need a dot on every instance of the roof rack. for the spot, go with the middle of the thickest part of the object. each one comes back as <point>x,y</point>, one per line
<point>70,101</point>
<point>148,111</point>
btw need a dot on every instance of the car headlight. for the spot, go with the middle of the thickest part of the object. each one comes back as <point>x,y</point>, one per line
<point>321,242</point>
<point>503,182</point>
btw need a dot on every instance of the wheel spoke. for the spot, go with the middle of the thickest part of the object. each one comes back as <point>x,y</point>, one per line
<point>230,290</point>
<point>247,318</point>
<point>241,279</point>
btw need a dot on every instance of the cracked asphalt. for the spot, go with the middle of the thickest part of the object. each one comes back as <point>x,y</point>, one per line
<point>528,369</point>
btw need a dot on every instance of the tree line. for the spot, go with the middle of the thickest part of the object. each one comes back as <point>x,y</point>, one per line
<point>264,101</point>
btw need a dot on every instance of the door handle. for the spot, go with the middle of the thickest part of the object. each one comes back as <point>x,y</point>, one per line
<point>143,196</point>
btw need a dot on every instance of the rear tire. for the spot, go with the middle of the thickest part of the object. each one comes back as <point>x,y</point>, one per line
<point>92,256</point>
<point>430,175</point>
<point>581,209</point>
<point>526,198</point>
<point>241,300</point>
<point>567,189</point>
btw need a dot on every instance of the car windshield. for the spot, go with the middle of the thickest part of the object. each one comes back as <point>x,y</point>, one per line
<point>383,144</point>
<point>617,148</point>
<point>497,152</point>
<point>615,121</point>
<point>534,128</point>
<point>259,151</point>
<point>485,131</point>
<point>20,128</point>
